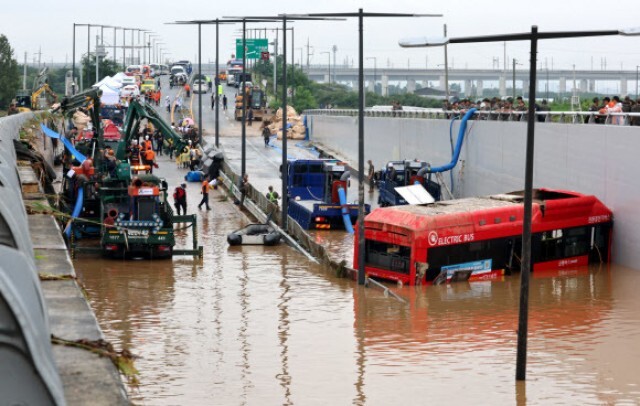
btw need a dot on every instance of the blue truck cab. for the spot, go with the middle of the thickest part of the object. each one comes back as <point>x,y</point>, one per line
<point>404,173</point>
<point>314,194</point>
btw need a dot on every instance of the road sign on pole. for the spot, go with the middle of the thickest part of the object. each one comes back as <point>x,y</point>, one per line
<point>264,55</point>
<point>255,47</point>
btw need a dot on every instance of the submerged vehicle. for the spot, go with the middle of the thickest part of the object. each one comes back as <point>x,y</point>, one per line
<point>138,222</point>
<point>404,173</point>
<point>254,234</point>
<point>318,194</point>
<point>417,243</point>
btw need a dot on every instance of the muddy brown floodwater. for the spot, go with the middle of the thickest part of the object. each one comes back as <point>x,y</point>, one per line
<point>264,326</point>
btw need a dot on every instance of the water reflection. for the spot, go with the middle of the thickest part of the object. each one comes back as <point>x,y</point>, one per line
<point>257,325</point>
<point>283,332</point>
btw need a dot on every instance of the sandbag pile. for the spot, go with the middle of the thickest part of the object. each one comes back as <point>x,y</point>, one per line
<point>80,120</point>
<point>296,130</point>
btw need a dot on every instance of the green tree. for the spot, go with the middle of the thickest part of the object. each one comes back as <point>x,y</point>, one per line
<point>9,73</point>
<point>108,67</point>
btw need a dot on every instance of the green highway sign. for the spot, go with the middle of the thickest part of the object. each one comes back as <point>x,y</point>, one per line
<point>254,47</point>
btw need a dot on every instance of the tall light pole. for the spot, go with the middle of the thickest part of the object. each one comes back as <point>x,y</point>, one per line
<point>532,37</point>
<point>328,64</point>
<point>375,72</point>
<point>284,167</point>
<point>146,56</point>
<point>637,95</point>
<point>73,58</point>
<point>446,66</point>
<point>275,65</point>
<point>515,62</point>
<point>360,15</point>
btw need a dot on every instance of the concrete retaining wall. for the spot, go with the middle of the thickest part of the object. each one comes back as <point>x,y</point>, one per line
<point>593,159</point>
<point>82,376</point>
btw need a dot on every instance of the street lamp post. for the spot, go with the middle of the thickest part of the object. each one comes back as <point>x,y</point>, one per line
<point>284,167</point>
<point>515,62</point>
<point>73,58</point>
<point>637,95</point>
<point>532,37</point>
<point>360,14</point>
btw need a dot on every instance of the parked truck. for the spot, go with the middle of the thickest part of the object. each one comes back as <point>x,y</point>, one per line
<point>318,194</point>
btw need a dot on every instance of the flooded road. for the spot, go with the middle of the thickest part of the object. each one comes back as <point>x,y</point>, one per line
<point>258,325</point>
<point>263,326</point>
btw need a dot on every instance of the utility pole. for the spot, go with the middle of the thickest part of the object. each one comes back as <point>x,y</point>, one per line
<point>446,66</point>
<point>97,59</point>
<point>334,49</point>
<point>24,73</point>
<point>307,55</point>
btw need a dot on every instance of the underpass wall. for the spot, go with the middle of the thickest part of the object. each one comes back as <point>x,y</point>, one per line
<point>592,159</point>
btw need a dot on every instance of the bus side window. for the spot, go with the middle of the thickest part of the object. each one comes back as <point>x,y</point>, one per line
<point>577,241</point>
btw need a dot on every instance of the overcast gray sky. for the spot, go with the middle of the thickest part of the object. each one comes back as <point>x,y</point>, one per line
<point>32,24</point>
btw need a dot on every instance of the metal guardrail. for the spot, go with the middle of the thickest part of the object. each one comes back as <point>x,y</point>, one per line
<point>568,117</point>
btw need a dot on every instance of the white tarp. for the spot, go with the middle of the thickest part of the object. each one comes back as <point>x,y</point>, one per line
<point>109,95</point>
<point>415,194</point>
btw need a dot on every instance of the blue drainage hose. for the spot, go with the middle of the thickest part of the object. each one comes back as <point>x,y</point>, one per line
<point>345,210</point>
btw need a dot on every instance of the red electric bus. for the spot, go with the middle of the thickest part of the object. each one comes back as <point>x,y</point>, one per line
<point>416,243</point>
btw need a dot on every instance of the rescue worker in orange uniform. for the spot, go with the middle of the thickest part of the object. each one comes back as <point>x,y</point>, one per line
<point>149,158</point>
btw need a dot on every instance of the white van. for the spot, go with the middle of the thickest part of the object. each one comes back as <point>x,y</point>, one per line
<point>128,80</point>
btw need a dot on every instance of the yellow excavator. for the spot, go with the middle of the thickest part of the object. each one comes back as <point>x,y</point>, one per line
<point>41,96</point>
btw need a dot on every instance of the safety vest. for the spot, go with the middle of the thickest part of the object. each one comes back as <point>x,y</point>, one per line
<point>149,155</point>
<point>272,196</point>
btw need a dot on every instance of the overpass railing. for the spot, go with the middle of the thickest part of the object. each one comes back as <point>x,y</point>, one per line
<point>569,117</point>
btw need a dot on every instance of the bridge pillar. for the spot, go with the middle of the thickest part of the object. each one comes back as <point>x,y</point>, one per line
<point>479,88</point>
<point>411,85</point>
<point>624,87</point>
<point>441,83</point>
<point>592,86</point>
<point>371,86</point>
<point>468,88</point>
<point>326,78</point>
<point>584,86</point>
<point>503,86</point>
<point>525,88</point>
<point>563,85</point>
<point>385,85</point>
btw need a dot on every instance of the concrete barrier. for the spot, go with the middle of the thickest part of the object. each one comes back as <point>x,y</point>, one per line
<point>593,159</point>
<point>27,367</point>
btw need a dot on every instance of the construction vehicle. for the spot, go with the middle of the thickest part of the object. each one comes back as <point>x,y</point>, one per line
<point>404,173</point>
<point>41,96</point>
<point>257,101</point>
<point>130,215</point>
<point>318,194</point>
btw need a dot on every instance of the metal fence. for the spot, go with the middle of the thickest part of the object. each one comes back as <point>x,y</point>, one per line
<point>568,117</point>
<point>294,230</point>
